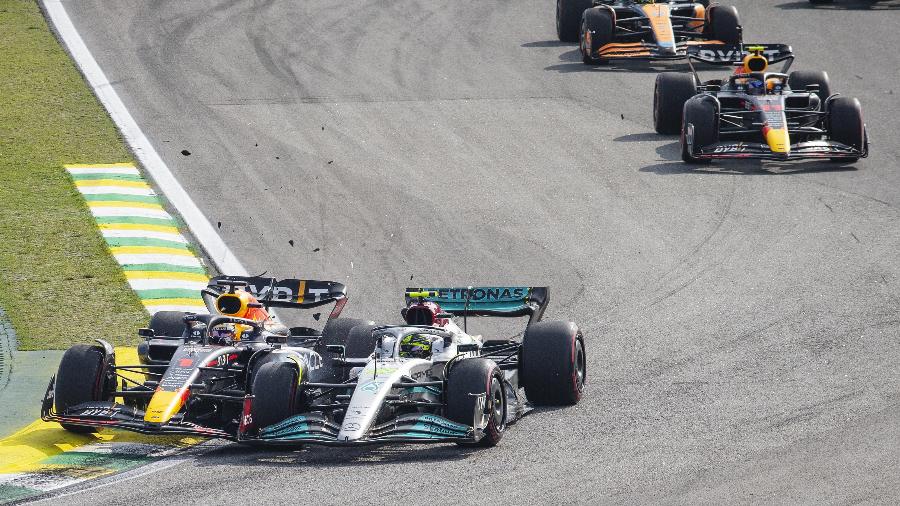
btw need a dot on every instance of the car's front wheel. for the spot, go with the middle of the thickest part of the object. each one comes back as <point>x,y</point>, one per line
<point>276,393</point>
<point>81,378</point>
<point>845,125</point>
<point>468,380</point>
<point>700,114</point>
<point>597,28</point>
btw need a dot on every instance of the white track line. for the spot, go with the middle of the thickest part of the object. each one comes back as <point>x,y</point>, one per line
<point>209,239</point>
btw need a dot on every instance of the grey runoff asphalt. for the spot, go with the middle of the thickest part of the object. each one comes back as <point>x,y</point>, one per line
<point>741,319</point>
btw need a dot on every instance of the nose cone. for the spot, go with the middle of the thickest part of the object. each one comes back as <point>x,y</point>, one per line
<point>163,406</point>
<point>779,141</point>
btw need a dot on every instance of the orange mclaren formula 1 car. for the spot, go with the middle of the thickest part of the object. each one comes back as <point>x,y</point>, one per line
<point>644,29</point>
<point>756,113</point>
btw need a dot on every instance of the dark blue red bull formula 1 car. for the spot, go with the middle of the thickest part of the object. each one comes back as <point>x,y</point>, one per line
<point>757,113</point>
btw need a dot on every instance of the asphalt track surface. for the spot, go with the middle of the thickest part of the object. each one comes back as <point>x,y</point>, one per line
<point>742,319</point>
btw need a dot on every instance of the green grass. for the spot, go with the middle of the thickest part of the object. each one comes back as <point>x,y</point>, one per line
<point>58,283</point>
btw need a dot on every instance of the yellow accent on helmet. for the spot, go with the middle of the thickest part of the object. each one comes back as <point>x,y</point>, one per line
<point>415,345</point>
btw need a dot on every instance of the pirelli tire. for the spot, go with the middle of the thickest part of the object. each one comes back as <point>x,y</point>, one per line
<point>553,363</point>
<point>468,379</point>
<point>81,377</point>
<point>337,330</point>
<point>360,342</point>
<point>597,29</point>
<point>799,80</point>
<point>725,24</point>
<point>168,323</point>
<point>276,392</point>
<point>845,125</point>
<point>568,18</point>
<point>700,112</point>
<point>670,93</point>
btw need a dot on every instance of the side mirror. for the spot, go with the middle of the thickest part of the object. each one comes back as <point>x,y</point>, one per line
<point>276,339</point>
<point>336,348</point>
<point>465,348</point>
<point>444,315</point>
<point>145,333</point>
<point>812,88</point>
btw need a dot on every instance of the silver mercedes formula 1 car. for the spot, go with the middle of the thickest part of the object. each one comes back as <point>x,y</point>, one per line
<point>427,380</point>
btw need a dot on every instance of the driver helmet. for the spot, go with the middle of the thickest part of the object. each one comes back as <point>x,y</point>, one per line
<point>415,346</point>
<point>755,87</point>
<point>223,334</point>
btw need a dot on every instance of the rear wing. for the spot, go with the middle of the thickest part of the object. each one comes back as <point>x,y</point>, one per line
<point>718,54</point>
<point>505,301</point>
<point>288,293</point>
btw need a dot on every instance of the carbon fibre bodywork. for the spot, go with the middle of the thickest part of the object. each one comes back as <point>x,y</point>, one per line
<point>193,383</point>
<point>772,121</point>
<point>393,397</point>
<point>648,31</point>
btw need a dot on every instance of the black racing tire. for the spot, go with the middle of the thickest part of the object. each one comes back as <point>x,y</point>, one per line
<point>81,378</point>
<point>337,330</point>
<point>799,79</point>
<point>553,364</point>
<point>725,24</point>
<point>597,28</point>
<point>168,323</point>
<point>568,18</point>
<point>670,93</point>
<point>469,378</point>
<point>845,124</point>
<point>276,393</point>
<point>360,342</point>
<point>700,112</point>
<point>821,2</point>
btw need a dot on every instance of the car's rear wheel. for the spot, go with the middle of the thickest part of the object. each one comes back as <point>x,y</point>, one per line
<point>669,95</point>
<point>725,24</point>
<point>360,343</point>
<point>597,28</point>
<point>799,80</point>
<point>553,365</point>
<point>468,379</point>
<point>701,114</point>
<point>845,125</point>
<point>168,323</point>
<point>337,330</point>
<point>568,18</point>
<point>81,378</point>
<point>276,393</point>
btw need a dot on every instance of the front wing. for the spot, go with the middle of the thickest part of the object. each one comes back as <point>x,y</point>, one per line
<point>647,51</point>
<point>120,416</point>
<point>801,150</point>
<point>315,428</point>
